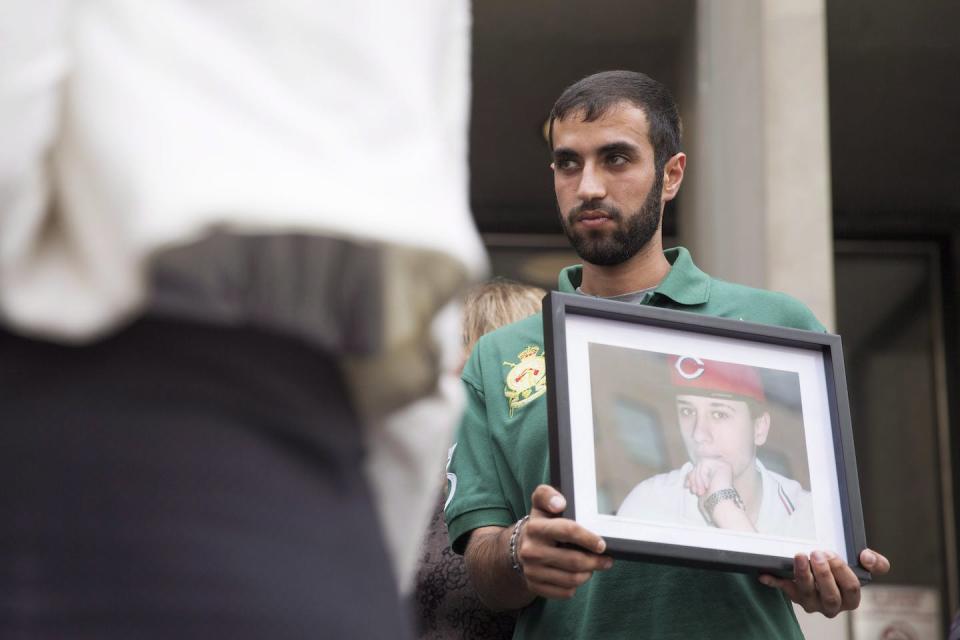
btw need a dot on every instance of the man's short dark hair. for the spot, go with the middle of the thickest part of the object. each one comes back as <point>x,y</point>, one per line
<point>595,95</point>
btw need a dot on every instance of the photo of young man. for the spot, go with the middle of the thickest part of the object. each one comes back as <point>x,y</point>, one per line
<point>723,418</point>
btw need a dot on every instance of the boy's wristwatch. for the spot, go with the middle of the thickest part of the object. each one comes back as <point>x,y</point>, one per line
<point>717,497</point>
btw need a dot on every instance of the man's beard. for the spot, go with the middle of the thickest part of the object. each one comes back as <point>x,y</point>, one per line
<point>600,247</point>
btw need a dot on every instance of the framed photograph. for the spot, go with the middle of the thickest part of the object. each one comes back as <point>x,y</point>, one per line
<point>701,441</point>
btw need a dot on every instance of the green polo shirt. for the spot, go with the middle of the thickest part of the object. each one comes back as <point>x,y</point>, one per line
<point>501,455</point>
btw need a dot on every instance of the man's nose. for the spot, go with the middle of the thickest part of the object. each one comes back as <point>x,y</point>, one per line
<point>591,184</point>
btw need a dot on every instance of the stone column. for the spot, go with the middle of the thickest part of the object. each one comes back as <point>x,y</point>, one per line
<point>755,206</point>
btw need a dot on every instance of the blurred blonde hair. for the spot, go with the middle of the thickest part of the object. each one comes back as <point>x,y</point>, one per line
<point>493,304</point>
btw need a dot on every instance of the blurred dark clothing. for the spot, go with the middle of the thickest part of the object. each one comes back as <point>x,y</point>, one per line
<point>179,480</point>
<point>254,164</point>
<point>446,605</point>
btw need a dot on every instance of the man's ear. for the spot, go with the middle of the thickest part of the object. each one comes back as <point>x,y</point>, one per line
<point>761,428</point>
<point>673,175</point>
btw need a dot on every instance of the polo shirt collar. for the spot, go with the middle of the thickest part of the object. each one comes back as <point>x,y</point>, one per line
<point>685,284</point>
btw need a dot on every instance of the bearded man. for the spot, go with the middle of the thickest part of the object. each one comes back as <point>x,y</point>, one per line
<point>615,139</point>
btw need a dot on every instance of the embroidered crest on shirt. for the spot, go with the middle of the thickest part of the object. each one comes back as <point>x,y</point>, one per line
<point>527,380</point>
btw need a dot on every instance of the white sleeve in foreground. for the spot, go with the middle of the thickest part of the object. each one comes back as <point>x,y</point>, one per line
<point>406,454</point>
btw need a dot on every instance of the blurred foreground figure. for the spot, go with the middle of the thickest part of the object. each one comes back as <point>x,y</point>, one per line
<point>447,605</point>
<point>220,273</point>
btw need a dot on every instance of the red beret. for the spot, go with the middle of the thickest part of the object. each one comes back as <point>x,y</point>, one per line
<point>715,378</point>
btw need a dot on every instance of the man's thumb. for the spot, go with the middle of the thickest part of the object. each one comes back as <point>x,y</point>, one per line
<point>549,500</point>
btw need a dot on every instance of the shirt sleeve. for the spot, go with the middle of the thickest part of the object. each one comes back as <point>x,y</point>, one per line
<point>476,498</point>
<point>34,61</point>
<point>797,315</point>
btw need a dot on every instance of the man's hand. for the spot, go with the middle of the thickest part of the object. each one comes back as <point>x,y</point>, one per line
<point>825,583</point>
<point>551,570</point>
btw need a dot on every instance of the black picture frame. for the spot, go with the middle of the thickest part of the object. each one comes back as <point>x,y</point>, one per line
<point>571,319</point>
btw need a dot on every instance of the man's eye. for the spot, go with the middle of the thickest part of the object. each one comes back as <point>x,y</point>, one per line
<point>686,412</point>
<point>617,160</point>
<point>719,415</point>
<point>566,164</point>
